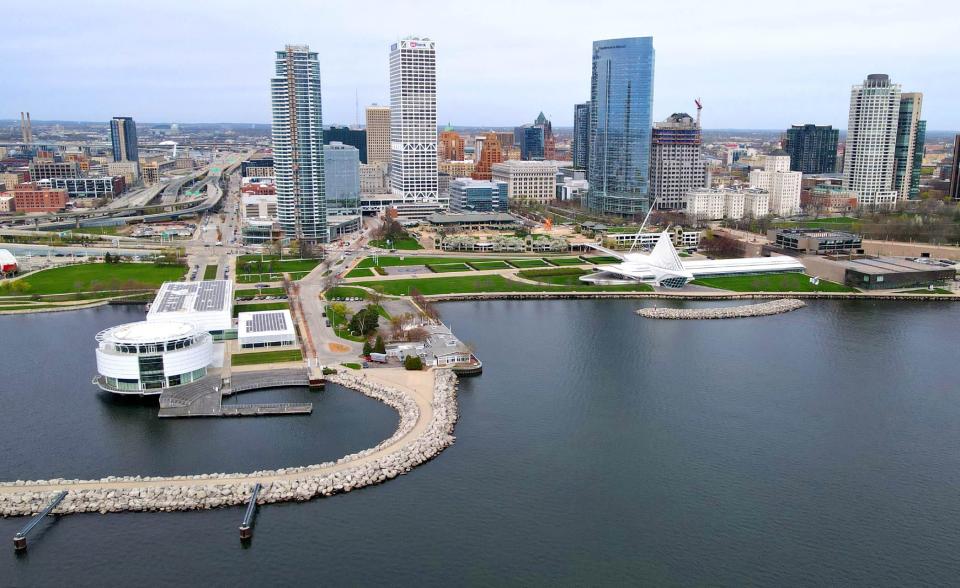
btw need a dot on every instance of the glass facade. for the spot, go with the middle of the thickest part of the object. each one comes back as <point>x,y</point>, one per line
<point>123,137</point>
<point>531,148</point>
<point>621,104</point>
<point>581,135</point>
<point>812,148</point>
<point>342,178</point>
<point>467,195</point>
<point>355,137</point>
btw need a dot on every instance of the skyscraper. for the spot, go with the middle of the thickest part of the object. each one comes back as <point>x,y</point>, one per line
<point>123,135</point>
<point>341,178</point>
<point>413,119</point>
<point>490,154</point>
<point>812,148</point>
<point>908,155</point>
<point>955,170</point>
<point>451,145</point>
<point>378,134</point>
<point>298,145</point>
<point>676,161</point>
<point>355,137</point>
<point>532,146</point>
<point>868,160</point>
<point>621,101</point>
<point>549,142</point>
<point>581,135</point>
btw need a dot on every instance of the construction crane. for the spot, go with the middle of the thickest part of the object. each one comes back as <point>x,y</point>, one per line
<point>699,108</point>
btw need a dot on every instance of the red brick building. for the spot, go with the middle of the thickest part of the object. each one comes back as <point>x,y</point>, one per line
<point>32,198</point>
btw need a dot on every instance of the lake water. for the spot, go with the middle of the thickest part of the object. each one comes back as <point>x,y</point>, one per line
<point>816,447</point>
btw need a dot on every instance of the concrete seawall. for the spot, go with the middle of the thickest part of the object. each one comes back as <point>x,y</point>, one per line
<point>425,401</point>
<point>689,296</point>
<point>726,312</point>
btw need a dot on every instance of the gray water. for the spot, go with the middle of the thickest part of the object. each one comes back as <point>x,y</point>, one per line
<point>816,447</point>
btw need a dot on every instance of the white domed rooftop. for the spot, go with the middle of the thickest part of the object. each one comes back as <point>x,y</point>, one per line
<point>148,332</point>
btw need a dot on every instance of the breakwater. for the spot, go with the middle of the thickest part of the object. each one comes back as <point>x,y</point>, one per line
<point>688,296</point>
<point>726,312</point>
<point>427,419</point>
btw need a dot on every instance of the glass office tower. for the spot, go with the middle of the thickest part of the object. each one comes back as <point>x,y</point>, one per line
<point>621,100</point>
<point>123,137</point>
<point>581,135</point>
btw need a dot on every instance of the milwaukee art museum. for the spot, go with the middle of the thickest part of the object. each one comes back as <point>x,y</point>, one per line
<point>663,267</point>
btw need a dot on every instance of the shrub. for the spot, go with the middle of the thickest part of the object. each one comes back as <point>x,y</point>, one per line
<point>378,346</point>
<point>413,363</point>
<point>367,347</point>
<point>328,371</point>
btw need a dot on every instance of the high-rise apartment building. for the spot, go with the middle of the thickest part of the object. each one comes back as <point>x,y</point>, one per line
<point>676,161</point>
<point>450,147</point>
<point>123,136</point>
<point>908,155</point>
<point>413,119</point>
<point>581,135</point>
<point>783,184</point>
<point>298,145</point>
<point>490,154</point>
<point>378,134</point>
<point>812,148</point>
<point>868,159</point>
<point>621,103</point>
<point>955,170</point>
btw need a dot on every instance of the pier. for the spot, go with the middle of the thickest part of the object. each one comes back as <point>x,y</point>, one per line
<point>20,539</point>
<point>204,398</point>
<point>246,530</point>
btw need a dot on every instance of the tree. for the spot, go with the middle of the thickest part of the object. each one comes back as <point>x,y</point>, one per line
<point>364,321</point>
<point>378,346</point>
<point>413,363</point>
<point>425,306</point>
<point>367,348</point>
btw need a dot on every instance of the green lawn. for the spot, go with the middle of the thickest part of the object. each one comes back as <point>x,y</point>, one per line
<point>238,308</point>
<point>565,260</point>
<point>394,260</point>
<point>789,282</point>
<point>483,283</point>
<point>344,292</point>
<point>360,272</point>
<point>210,272</point>
<point>275,266</point>
<point>489,265</point>
<point>251,292</point>
<point>408,244</point>
<point>278,356</point>
<point>97,277</point>
<point>449,267</point>
<point>353,366</point>
<point>925,291</point>
<point>520,263</point>
<point>256,278</point>
<point>602,259</point>
<point>339,323</point>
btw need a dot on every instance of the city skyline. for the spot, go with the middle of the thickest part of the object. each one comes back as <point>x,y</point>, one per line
<point>161,79</point>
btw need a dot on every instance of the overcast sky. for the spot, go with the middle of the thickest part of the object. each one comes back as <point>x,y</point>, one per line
<point>756,64</point>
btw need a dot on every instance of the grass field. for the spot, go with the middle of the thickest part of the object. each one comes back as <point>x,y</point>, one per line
<point>339,323</point>
<point>98,277</point>
<point>484,283</point>
<point>344,292</point>
<point>255,278</point>
<point>353,366</point>
<point>444,268</point>
<point>408,244</point>
<point>278,356</point>
<point>565,260</point>
<point>210,272</point>
<point>360,272</point>
<point>394,260</point>
<point>238,308</point>
<point>275,266</point>
<point>602,259</point>
<point>523,263</point>
<point>489,265</point>
<point>790,282</point>
<point>925,291</point>
<point>250,292</point>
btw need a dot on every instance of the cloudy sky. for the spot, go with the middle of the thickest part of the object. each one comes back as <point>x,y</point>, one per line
<point>756,64</point>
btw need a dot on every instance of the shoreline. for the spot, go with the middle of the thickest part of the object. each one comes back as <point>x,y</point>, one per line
<point>686,296</point>
<point>425,401</point>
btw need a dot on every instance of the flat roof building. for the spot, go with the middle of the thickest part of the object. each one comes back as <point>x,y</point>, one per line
<point>271,328</point>
<point>815,241</point>
<point>207,303</point>
<point>495,220</point>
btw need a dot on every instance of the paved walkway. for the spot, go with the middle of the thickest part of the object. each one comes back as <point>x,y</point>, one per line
<point>419,385</point>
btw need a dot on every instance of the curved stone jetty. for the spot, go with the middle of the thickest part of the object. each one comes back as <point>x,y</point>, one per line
<point>425,401</point>
<point>725,312</point>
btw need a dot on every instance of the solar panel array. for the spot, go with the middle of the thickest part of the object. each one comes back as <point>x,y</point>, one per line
<point>208,295</point>
<point>262,322</point>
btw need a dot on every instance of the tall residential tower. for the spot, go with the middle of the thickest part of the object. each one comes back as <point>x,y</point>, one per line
<point>298,145</point>
<point>413,120</point>
<point>908,155</point>
<point>812,148</point>
<point>676,161</point>
<point>621,103</point>
<point>378,134</point>
<point>868,159</point>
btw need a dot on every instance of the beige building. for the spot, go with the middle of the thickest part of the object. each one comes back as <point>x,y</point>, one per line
<point>378,134</point>
<point>9,180</point>
<point>782,184</point>
<point>127,169</point>
<point>374,178</point>
<point>7,203</point>
<point>456,169</point>
<point>527,181</point>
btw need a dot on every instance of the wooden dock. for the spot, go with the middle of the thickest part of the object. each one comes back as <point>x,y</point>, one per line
<point>204,397</point>
<point>266,409</point>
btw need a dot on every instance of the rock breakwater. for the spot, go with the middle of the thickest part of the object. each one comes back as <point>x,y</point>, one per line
<point>415,441</point>
<point>725,312</point>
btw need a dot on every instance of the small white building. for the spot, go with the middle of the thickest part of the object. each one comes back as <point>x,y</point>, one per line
<point>269,328</point>
<point>527,181</point>
<point>718,203</point>
<point>208,304</point>
<point>782,184</point>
